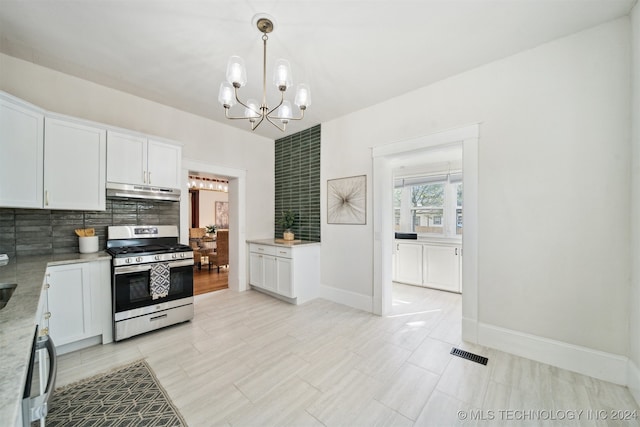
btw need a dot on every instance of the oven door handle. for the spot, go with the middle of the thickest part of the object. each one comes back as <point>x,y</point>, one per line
<point>146,267</point>
<point>131,269</point>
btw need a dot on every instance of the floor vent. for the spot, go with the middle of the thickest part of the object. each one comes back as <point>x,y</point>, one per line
<point>469,356</point>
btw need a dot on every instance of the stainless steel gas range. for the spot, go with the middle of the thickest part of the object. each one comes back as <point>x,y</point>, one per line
<point>152,279</point>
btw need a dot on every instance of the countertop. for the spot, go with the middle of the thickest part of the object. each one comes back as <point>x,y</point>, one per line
<point>18,320</point>
<point>272,242</point>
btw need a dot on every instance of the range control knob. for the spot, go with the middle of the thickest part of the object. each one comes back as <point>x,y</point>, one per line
<point>156,257</point>
<point>181,255</point>
<point>174,256</point>
<point>139,259</point>
<point>128,260</point>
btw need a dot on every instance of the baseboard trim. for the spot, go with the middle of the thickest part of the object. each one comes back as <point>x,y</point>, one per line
<point>583,360</point>
<point>348,298</point>
<point>469,330</point>
<point>633,380</point>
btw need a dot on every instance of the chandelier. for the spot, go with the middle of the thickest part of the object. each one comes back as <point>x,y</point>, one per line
<point>254,111</point>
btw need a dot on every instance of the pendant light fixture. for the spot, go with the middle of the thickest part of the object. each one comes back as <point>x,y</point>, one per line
<point>257,112</point>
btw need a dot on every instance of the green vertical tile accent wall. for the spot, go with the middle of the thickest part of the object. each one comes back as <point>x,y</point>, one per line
<point>297,182</point>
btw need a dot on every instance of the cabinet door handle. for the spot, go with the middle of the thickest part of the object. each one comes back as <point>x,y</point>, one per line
<point>397,246</point>
<point>149,175</point>
<point>47,315</point>
<point>144,177</point>
<point>46,197</point>
<point>456,251</point>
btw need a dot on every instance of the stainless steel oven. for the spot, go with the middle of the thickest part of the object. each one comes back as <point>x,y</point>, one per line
<point>137,306</point>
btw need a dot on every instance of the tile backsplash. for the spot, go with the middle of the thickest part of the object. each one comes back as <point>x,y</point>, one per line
<point>297,182</point>
<point>43,232</point>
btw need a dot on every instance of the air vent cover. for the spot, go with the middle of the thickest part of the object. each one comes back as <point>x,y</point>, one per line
<point>469,356</point>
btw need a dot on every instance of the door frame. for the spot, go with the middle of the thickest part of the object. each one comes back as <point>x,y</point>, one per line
<point>385,158</point>
<point>237,217</point>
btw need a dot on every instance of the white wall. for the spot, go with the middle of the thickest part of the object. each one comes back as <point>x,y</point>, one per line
<point>207,205</point>
<point>634,300</point>
<point>205,140</point>
<point>553,185</point>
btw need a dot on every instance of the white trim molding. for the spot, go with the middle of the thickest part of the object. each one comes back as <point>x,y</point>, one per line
<point>633,380</point>
<point>348,298</point>
<point>583,360</point>
<point>237,217</point>
<point>385,158</point>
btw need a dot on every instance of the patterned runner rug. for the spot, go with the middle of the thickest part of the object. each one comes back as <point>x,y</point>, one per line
<point>128,396</point>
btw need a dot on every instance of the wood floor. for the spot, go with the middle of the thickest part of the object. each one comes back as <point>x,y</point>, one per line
<point>247,359</point>
<point>206,280</point>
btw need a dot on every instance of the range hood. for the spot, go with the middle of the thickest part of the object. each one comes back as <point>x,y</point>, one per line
<point>132,191</point>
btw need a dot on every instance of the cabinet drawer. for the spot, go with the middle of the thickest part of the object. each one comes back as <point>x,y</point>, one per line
<point>262,249</point>
<point>283,252</point>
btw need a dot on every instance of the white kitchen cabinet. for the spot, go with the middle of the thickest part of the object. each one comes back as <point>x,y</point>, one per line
<point>74,165</point>
<point>163,164</point>
<point>433,265</point>
<point>256,269</point>
<point>442,267</point>
<point>21,153</point>
<point>79,303</point>
<point>409,263</point>
<point>138,160</point>
<point>126,158</point>
<point>288,271</point>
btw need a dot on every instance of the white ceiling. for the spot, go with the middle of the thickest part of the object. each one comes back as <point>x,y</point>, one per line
<point>353,53</point>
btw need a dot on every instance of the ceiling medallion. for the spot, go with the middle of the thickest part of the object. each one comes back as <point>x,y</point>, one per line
<point>254,111</point>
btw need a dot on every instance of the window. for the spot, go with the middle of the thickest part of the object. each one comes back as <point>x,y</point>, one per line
<point>428,205</point>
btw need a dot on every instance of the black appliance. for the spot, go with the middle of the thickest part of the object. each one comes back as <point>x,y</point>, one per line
<point>139,252</point>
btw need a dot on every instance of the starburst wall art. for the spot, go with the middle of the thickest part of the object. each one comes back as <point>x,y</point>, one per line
<point>347,200</point>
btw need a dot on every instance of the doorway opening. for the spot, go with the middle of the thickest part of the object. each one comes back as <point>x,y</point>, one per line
<point>428,227</point>
<point>209,230</point>
<point>392,157</point>
<point>227,215</point>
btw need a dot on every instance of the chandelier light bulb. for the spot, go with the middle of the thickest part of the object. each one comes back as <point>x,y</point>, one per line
<point>282,74</point>
<point>252,112</point>
<point>303,96</point>
<point>236,72</point>
<point>285,112</point>
<point>226,96</point>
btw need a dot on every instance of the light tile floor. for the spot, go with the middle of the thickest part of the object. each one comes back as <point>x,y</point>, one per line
<point>251,360</point>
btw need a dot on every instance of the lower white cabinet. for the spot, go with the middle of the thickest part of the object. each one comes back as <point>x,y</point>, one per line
<point>289,271</point>
<point>79,302</point>
<point>442,266</point>
<point>409,263</point>
<point>434,265</point>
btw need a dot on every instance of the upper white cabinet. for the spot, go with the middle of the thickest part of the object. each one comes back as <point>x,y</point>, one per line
<point>126,158</point>
<point>134,159</point>
<point>21,154</point>
<point>163,162</point>
<point>74,165</point>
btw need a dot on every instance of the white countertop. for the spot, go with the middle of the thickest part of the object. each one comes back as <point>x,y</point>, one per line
<point>18,320</point>
<point>283,244</point>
